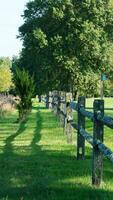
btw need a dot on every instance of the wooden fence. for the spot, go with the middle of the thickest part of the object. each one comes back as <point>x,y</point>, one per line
<point>63,107</point>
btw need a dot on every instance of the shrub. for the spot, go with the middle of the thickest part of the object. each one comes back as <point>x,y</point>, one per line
<point>7,104</point>
<point>25,87</point>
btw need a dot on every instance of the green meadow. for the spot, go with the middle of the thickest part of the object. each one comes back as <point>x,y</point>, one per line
<point>36,163</point>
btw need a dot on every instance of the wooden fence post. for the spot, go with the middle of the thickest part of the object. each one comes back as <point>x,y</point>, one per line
<point>68,127</point>
<point>98,132</point>
<point>62,108</point>
<point>54,101</point>
<point>64,111</point>
<point>47,101</point>
<point>54,106</point>
<point>50,100</point>
<point>58,104</point>
<point>81,124</point>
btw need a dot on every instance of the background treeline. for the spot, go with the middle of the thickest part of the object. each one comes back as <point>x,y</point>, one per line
<point>15,82</point>
<point>5,75</point>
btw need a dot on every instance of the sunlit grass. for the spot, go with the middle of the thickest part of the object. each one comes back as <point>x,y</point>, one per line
<point>36,163</point>
<point>108,102</point>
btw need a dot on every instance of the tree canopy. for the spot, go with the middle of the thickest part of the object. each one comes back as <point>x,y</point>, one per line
<point>64,39</point>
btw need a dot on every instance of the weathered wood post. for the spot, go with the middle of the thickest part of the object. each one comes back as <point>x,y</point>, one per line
<point>47,101</point>
<point>50,100</point>
<point>81,124</point>
<point>55,99</point>
<point>98,132</point>
<point>58,103</point>
<point>69,119</point>
<point>62,108</point>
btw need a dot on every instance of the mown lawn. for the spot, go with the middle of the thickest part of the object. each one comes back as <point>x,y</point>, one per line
<point>36,163</point>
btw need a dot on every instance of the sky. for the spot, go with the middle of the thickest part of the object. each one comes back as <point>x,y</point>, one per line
<point>10,20</point>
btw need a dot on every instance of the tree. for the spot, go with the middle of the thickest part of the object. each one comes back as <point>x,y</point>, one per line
<point>5,75</point>
<point>15,64</point>
<point>62,39</point>
<point>25,87</point>
<point>42,42</point>
<point>90,86</point>
<point>94,34</point>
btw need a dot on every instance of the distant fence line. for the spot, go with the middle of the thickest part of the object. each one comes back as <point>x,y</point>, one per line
<point>63,106</point>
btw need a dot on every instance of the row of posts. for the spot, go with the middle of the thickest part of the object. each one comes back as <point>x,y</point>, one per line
<point>60,103</point>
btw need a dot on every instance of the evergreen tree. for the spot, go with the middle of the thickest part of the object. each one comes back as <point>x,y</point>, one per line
<point>25,87</point>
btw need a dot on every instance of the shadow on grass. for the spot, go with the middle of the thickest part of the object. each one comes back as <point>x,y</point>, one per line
<point>40,174</point>
<point>41,193</point>
<point>8,149</point>
<point>37,136</point>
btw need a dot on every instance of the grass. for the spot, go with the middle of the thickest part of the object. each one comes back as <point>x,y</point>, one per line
<point>108,102</point>
<point>36,163</point>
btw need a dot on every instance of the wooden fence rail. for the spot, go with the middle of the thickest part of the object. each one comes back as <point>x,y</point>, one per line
<point>64,108</point>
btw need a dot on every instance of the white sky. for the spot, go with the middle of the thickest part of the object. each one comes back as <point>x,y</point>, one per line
<point>10,20</point>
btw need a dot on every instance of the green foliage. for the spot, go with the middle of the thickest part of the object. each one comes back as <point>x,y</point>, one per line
<point>25,87</point>
<point>15,63</point>
<point>41,38</point>
<point>62,39</point>
<point>90,84</point>
<point>5,75</point>
<point>108,88</point>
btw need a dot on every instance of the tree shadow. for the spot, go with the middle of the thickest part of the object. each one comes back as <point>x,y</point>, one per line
<point>37,135</point>
<point>8,149</point>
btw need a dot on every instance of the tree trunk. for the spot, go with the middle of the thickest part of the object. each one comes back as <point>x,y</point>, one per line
<point>39,97</point>
<point>74,95</point>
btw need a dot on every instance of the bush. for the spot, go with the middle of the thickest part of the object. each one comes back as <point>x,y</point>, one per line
<point>25,87</point>
<point>7,104</point>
